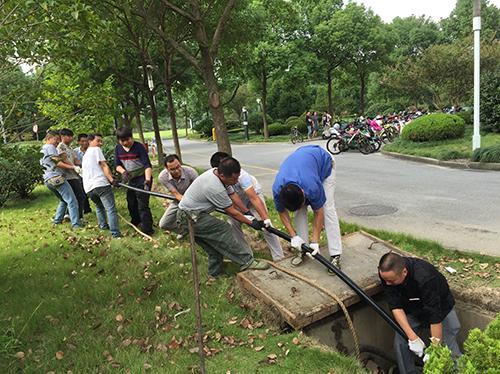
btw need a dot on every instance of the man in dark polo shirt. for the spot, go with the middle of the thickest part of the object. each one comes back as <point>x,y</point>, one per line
<point>132,162</point>
<point>419,296</point>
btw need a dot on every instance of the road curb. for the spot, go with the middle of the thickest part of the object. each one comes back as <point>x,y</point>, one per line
<point>493,166</point>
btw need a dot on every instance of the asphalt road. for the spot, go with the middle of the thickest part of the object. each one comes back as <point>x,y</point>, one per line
<point>458,208</point>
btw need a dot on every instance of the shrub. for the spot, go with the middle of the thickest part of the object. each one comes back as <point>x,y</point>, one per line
<point>467,116</point>
<point>255,122</point>
<point>6,180</point>
<point>233,124</point>
<point>108,149</point>
<point>291,118</point>
<point>204,127</point>
<point>490,102</point>
<point>22,170</point>
<point>440,361</point>
<point>279,128</point>
<point>437,126</point>
<point>487,154</point>
<point>482,350</point>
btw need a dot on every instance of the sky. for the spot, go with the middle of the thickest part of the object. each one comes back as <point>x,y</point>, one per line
<point>435,9</point>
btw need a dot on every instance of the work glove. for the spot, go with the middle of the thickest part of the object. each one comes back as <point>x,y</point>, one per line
<point>147,185</point>
<point>78,170</point>
<point>417,346</point>
<point>426,357</point>
<point>297,242</point>
<point>115,182</point>
<point>125,177</point>
<point>315,250</point>
<point>257,224</point>
<point>268,223</point>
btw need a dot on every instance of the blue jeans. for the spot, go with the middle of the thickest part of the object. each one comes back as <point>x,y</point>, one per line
<point>67,199</point>
<point>104,200</point>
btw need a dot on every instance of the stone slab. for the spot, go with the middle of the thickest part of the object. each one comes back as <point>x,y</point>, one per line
<point>301,304</point>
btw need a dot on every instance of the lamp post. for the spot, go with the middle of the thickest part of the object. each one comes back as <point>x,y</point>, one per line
<point>476,27</point>
<point>244,118</point>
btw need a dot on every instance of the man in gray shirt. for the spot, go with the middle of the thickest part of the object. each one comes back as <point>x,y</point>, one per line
<point>176,178</point>
<point>206,194</point>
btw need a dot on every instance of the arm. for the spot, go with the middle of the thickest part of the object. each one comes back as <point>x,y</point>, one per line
<point>177,195</point>
<point>318,222</point>
<point>237,215</point>
<point>63,165</point>
<point>238,203</point>
<point>402,320</point>
<point>437,331</point>
<point>285,218</point>
<point>148,174</point>
<point>257,203</point>
<point>106,170</point>
<point>120,169</point>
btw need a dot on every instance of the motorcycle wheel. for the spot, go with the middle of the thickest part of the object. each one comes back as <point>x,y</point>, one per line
<point>333,145</point>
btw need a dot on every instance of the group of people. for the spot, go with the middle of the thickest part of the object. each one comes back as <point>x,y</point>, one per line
<point>418,294</point>
<point>313,122</point>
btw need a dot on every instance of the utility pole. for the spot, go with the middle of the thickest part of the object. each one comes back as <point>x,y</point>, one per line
<point>476,27</point>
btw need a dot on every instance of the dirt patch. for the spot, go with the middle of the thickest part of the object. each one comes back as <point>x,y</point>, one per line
<point>485,298</point>
<point>270,315</point>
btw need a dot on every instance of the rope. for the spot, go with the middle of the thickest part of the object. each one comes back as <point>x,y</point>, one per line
<point>137,229</point>
<point>327,292</point>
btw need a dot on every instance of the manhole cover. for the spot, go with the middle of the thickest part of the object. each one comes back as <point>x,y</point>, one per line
<point>371,210</point>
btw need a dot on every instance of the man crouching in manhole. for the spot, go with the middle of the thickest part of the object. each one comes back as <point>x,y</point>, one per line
<point>206,194</point>
<point>419,296</point>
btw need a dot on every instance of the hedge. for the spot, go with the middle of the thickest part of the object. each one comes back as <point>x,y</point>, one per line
<point>487,154</point>
<point>279,128</point>
<point>436,126</point>
<point>255,122</point>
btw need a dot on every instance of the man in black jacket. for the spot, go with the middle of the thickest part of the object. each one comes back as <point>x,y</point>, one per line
<point>419,296</point>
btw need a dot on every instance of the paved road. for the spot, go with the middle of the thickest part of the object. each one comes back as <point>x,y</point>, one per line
<point>459,208</point>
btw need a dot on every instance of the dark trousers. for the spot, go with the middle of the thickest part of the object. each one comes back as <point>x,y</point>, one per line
<point>138,207</point>
<point>77,187</point>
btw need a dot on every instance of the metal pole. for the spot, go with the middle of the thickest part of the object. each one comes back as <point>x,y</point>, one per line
<point>196,281</point>
<point>476,27</point>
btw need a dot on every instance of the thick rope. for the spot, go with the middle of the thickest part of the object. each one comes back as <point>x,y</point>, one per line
<point>327,292</point>
<point>137,229</point>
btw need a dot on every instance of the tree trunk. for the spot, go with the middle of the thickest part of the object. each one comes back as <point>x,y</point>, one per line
<point>330,101</point>
<point>156,128</point>
<point>362,89</point>
<point>215,105</point>
<point>264,103</point>
<point>173,118</point>
<point>138,123</point>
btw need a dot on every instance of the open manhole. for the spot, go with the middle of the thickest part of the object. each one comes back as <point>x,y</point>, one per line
<point>372,210</point>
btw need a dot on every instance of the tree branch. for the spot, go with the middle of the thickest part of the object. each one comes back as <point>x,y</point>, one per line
<point>178,10</point>
<point>220,27</point>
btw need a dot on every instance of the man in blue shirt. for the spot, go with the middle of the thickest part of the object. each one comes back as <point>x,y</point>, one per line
<point>307,178</point>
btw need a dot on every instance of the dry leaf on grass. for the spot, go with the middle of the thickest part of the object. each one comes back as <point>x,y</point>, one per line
<point>59,355</point>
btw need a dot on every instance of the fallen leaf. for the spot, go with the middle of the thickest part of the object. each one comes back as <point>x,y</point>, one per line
<point>258,349</point>
<point>147,366</point>
<point>296,341</point>
<point>287,352</point>
<point>20,355</point>
<point>59,355</point>
<point>272,356</point>
<point>119,318</point>
<point>194,350</point>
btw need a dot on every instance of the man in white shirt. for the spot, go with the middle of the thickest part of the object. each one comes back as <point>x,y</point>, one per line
<point>97,180</point>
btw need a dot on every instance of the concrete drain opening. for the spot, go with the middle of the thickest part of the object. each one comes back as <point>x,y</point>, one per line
<point>372,210</point>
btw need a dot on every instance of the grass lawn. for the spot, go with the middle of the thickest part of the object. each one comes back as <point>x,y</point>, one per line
<point>83,302</point>
<point>167,134</point>
<point>445,149</point>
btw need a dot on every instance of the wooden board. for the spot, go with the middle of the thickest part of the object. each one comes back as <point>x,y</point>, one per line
<point>301,304</point>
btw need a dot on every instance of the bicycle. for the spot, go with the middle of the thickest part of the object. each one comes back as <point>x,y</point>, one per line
<point>296,136</point>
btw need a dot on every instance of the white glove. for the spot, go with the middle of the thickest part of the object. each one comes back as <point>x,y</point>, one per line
<point>426,357</point>
<point>78,169</point>
<point>315,248</point>
<point>267,223</point>
<point>297,242</point>
<point>417,346</point>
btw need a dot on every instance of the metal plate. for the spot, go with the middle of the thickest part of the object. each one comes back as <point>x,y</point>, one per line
<point>372,210</point>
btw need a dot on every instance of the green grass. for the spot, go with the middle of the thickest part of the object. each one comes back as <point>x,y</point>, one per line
<point>167,134</point>
<point>109,304</point>
<point>443,150</point>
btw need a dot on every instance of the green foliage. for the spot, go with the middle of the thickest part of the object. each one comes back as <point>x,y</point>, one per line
<point>108,149</point>
<point>279,128</point>
<point>73,99</point>
<point>467,116</point>
<point>255,121</point>
<point>482,350</point>
<point>299,122</point>
<point>490,102</point>
<point>204,127</point>
<point>233,124</point>
<point>21,171</point>
<point>291,118</point>
<point>437,126</point>
<point>440,361</point>
<point>487,154</point>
